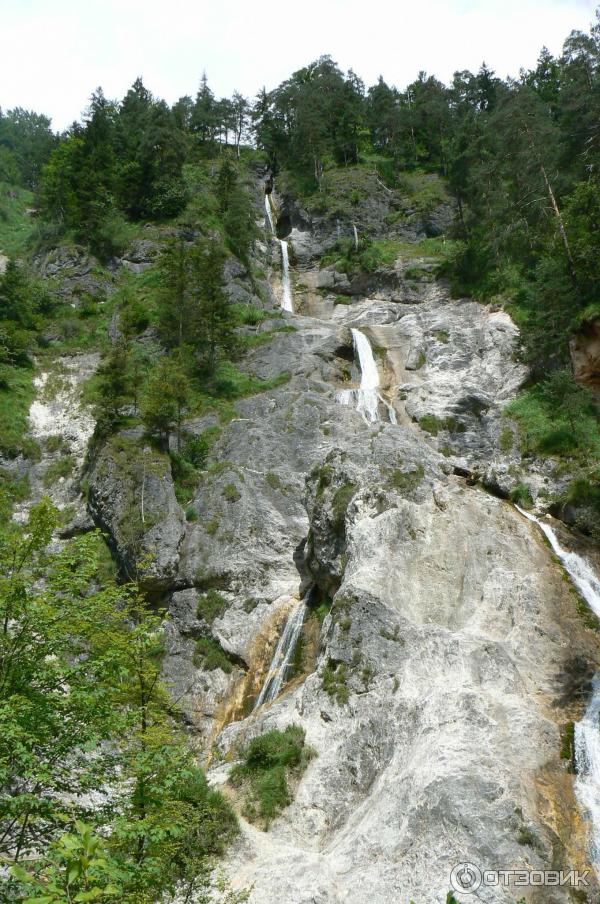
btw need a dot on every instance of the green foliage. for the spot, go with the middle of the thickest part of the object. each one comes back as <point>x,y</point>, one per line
<point>111,732</point>
<point>567,745</point>
<point>209,655</point>
<point>231,493</point>
<point>60,467</point>
<point>342,498</point>
<point>16,224</point>
<point>211,605</point>
<point>557,417</point>
<point>433,424</point>
<point>267,763</point>
<point>521,494</point>
<point>335,678</point>
<point>507,439</point>
<point>406,481</point>
<point>165,401</point>
<point>16,395</point>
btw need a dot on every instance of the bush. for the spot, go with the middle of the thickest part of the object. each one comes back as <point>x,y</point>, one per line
<point>231,492</point>
<point>335,679</point>
<point>339,505</point>
<point>211,605</point>
<point>267,762</point>
<point>521,495</point>
<point>209,655</point>
<point>405,481</point>
<point>191,513</point>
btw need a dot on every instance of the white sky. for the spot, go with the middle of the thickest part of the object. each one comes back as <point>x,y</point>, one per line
<point>53,53</point>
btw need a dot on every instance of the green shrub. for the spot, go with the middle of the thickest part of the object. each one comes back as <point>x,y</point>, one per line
<point>191,513</point>
<point>211,605</point>
<point>432,424</point>
<point>335,679</point>
<point>267,763</point>
<point>210,655</point>
<point>567,747</point>
<point>521,495</point>
<point>231,493</point>
<point>339,505</point>
<point>507,439</point>
<point>405,481</point>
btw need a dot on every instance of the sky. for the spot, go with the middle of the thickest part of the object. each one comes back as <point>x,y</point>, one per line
<point>54,53</point>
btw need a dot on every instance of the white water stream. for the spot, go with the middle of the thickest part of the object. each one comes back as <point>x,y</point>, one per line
<point>286,283</point>
<point>367,397</point>
<point>587,731</point>
<point>282,657</point>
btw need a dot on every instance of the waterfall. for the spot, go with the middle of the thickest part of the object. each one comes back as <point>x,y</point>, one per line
<point>282,657</point>
<point>587,731</point>
<point>580,571</point>
<point>286,300</point>
<point>367,396</point>
<point>587,764</point>
<point>286,283</point>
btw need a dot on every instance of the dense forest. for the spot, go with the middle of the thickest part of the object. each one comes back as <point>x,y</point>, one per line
<point>521,159</point>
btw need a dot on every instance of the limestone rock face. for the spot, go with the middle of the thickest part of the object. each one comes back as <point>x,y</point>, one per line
<point>448,632</point>
<point>132,498</point>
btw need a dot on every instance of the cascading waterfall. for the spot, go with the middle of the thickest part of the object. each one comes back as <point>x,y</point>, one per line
<point>367,397</point>
<point>282,657</point>
<point>587,731</point>
<point>286,283</point>
<point>587,764</point>
<point>580,571</point>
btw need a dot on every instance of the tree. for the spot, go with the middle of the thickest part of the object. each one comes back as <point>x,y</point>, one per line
<point>212,329</point>
<point>165,401</point>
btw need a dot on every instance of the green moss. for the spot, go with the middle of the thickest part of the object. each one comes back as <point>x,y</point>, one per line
<point>209,655</point>
<point>507,439</point>
<point>275,482</point>
<point>267,764</point>
<point>432,424</point>
<point>567,745</point>
<point>339,505</point>
<point>211,605</point>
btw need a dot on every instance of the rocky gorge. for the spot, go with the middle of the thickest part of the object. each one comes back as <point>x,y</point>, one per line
<point>449,653</point>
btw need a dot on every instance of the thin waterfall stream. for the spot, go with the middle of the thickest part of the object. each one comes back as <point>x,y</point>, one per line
<point>587,730</point>
<point>286,283</point>
<point>283,655</point>
<point>367,397</point>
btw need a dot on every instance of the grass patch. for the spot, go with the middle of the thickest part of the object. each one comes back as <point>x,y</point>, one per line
<point>17,392</point>
<point>268,762</point>
<point>210,655</point>
<point>405,481</point>
<point>335,682</point>
<point>433,424</point>
<point>59,468</point>
<point>231,383</point>
<point>211,605</point>
<point>339,505</point>
<point>507,439</point>
<point>16,225</point>
<point>231,493</point>
<point>521,495</point>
